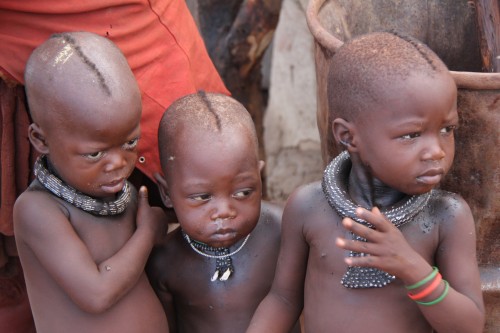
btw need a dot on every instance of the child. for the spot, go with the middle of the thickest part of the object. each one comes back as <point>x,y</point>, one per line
<point>83,255</point>
<point>213,271</point>
<point>375,247</point>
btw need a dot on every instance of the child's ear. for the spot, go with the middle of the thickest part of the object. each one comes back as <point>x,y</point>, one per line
<point>343,132</point>
<point>37,138</point>
<point>261,165</point>
<point>163,189</point>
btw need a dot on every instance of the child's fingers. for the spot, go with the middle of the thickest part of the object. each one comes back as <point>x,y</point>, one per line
<point>375,218</point>
<point>359,229</point>
<point>143,192</point>
<point>365,261</point>
<point>143,196</point>
<point>143,208</point>
<point>357,246</point>
<point>360,247</point>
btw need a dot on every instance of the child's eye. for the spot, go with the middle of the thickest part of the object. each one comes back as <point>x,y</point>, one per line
<point>94,156</point>
<point>243,193</point>
<point>448,129</point>
<point>200,197</point>
<point>410,136</point>
<point>131,144</point>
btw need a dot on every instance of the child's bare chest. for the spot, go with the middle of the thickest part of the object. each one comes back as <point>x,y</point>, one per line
<point>103,236</point>
<point>325,257</point>
<point>253,272</point>
<point>324,295</point>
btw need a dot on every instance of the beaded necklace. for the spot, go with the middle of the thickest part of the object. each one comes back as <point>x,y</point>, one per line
<point>91,205</point>
<point>334,188</point>
<point>224,262</point>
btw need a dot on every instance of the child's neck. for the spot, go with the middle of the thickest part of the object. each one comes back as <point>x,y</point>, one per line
<point>369,192</point>
<point>346,185</point>
<point>46,176</point>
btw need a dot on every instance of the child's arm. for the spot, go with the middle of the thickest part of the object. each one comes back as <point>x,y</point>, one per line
<point>281,308</point>
<point>156,268</point>
<point>42,226</point>
<point>461,309</point>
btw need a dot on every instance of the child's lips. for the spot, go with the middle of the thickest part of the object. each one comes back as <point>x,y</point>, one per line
<point>224,235</point>
<point>431,177</point>
<point>114,186</point>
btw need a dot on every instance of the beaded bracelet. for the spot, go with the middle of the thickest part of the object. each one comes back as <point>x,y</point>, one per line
<point>440,298</point>
<point>429,277</point>
<point>428,290</point>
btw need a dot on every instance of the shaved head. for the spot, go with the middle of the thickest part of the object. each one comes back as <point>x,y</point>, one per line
<point>203,112</point>
<point>364,69</point>
<point>79,74</point>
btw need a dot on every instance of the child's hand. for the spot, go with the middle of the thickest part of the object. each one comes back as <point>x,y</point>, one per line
<point>385,245</point>
<point>151,217</point>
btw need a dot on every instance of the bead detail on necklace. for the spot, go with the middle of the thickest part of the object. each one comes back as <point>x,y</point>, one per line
<point>335,190</point>
<point>224,262</point>
<point>84,202</point>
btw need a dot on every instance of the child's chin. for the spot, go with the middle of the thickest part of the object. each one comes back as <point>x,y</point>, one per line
<point>421,189</point>
<point>223,243</point>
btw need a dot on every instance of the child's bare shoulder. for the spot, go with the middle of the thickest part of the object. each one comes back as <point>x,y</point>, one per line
<point>269,226</point>
<point>163,255</point>
<point>449,207</point>
<point>169,246</point>
<point>271,213</point>
<point>33,205</point>
<point>451,214</point>
<point>306,198</point>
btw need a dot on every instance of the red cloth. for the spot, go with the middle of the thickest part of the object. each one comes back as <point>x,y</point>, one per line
<point>15,311</point>
<point>158,37</point>
<point>16,154</point>
<point>167,55</point>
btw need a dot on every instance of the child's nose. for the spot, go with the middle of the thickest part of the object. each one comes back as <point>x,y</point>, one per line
<point>434,150</point>
<point>115,161</point>
<point>223,210</point>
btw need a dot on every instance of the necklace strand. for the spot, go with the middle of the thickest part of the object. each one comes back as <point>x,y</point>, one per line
<point>223,261</point>
<point>209,248</point>
<point>335,174</point>
<point>71,195</point>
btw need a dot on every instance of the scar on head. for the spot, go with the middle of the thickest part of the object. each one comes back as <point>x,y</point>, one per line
<point>77,49</point>
<point>210,108</point>
<point>417,46</point>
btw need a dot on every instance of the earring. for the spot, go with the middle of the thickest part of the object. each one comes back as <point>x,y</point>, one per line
<point>344,143</point>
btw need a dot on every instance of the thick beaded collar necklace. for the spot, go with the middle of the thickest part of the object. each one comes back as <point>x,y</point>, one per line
<point>91,205</point>
<point>335,190</point>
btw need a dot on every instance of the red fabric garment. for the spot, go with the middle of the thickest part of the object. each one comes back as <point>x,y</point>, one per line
<point>158,37</point>
<point>167,55</point>
<point>16,154</point>
<point>15,311</point>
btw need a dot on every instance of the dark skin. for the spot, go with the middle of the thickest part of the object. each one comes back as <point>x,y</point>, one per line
<point>215,188</point>
<point>404,147</point>
<point>85,273</point>
<point>193,303</point>
<point>82,295</point>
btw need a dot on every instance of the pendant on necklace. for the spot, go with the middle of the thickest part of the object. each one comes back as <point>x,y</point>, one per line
<point>222,256</point>
<point>224,276</point>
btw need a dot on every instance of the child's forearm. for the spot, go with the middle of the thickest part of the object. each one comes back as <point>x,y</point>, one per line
<point>455,313</point>
<point>446,309</point>
<point>274,316</point>
<point>119,273</point>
